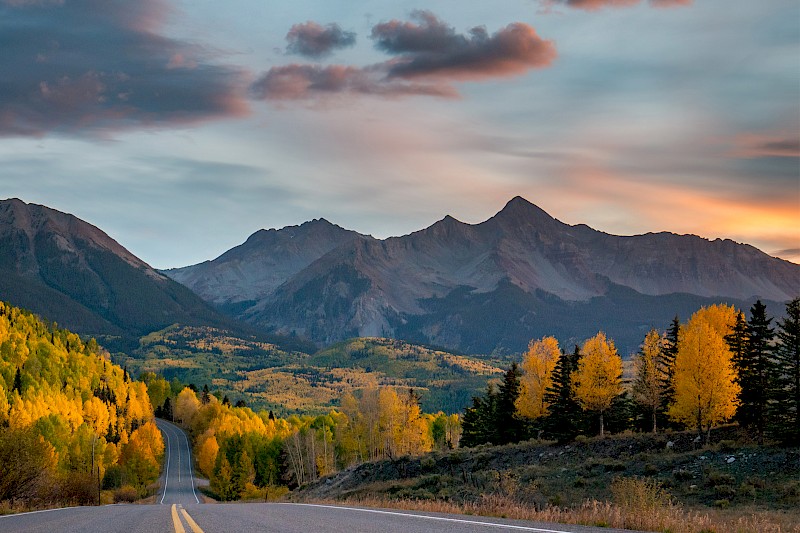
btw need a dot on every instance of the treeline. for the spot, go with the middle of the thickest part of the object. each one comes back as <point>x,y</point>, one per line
<point>716,367</point>
<point>73,427</point>
<point>256,455</point>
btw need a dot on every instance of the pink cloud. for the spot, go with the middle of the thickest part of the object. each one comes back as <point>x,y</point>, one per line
<point>428,57</point>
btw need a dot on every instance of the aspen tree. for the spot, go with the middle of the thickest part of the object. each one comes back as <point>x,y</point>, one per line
<point>598,379</point>
<point>537,367</point>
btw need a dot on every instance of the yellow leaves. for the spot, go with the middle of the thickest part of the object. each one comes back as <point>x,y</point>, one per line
<point>186,406</point>
<point>207,454</point>
<point>143,452</point>
<point>647,388</point>
<point>705,391</point>
<point>96,414</point>
<point>537,365</point>
<point>598,379</point>
<point>3,406</point>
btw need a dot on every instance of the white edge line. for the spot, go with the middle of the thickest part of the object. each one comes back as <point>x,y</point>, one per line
<point>41,511</point>
<point>442,518</point>
<point>59,509</point>
<point>191,474</point>
<point>166,470</point>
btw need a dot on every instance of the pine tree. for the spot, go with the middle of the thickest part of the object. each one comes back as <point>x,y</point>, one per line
<point>510,427</point>
<point>565,420</point>
<point>479,424</point>
<point>785,408</point>
<point>17,382</point>
<point>206,397</point>
<point>667,370</point>
<point>751,345</point>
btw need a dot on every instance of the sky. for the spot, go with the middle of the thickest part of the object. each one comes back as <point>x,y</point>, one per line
<point>181,127</point>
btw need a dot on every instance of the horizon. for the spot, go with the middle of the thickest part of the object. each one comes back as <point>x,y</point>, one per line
<point>180,129</point>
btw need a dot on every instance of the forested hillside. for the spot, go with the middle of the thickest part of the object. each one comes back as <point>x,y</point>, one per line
<point>73,427</point>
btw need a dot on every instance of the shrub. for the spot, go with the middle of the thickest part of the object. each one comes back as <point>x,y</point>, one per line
<point>683,475</point>
<point>722,504</point>
<point>113,477</point>
<point>427,463</point>
<point>716,478</point>
<point>650,469</point>
<point>727,446</point>
<point>126,493</point>
<point>639,494</point>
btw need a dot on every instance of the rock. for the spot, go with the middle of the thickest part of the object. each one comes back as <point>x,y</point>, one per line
<point>670,444</point>
<point>729,460</point>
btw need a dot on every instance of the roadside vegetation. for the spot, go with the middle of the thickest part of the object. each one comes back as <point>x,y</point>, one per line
<point>74,428</point>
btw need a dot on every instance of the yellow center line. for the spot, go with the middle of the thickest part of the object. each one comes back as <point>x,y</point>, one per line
<point>176,521</point>
<point>192,523</point>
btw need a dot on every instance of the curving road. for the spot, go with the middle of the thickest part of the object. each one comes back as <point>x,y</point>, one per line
<point>178,509</point>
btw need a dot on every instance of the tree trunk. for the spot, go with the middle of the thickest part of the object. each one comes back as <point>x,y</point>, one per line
<point>601,423</point>
<point>655,427</point>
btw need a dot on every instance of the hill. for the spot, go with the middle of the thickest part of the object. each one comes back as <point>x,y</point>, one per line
<point>71,272</point>
<point>642,482</point>
<point>487,287</point>
<point>267,377</point>
<point>70,420</point>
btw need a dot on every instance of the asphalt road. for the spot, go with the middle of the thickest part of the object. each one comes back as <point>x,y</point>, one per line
<point>178,510</point>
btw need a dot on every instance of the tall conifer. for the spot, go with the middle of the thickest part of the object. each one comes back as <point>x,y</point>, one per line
<point>565,420</point>
<point>785,407</point>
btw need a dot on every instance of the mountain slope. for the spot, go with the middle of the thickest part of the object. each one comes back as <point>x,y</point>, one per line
<point>254,269</point>
<point>71,272</point>
<point>488,286</point>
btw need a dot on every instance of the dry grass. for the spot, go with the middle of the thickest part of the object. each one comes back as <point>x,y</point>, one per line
<point>664,517</point>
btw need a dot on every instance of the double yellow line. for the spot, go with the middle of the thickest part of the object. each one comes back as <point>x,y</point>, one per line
<point>176,521</point>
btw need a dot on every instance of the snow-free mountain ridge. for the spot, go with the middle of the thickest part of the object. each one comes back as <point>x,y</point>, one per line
<point>437,284</point>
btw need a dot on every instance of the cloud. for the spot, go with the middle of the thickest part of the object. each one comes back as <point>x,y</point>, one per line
<point>99,65</point>
<point>298,82</point>
<point>315,41</point>
<point>429,48</point>
<point>594,5</point>
<point>750,146</point>
<point>428,57</point>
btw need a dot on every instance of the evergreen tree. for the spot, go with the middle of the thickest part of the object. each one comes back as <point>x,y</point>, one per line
<point>479,425</point>
<point>17,382</point>
<point>751,345</point>
<point>510,427</point>
<point>565,420</point>
<point>669,353</point>
<point>785,408</point>
<point>226,400</point>
<point>206,397</point>
<point>166,409</point>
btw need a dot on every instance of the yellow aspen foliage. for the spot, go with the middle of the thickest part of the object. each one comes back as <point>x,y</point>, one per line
<point>207,455</point>
<point>143,453</point>
<point>598,378</point>
<point>186,406</point>
<point>96,415</point>
<point>537,366</point>
<point>4,406</point>
<point>705,390</point>
<point>648,386</point>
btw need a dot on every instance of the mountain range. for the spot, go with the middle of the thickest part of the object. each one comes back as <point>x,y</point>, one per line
<point>71,272</point>
<point>485,287</point>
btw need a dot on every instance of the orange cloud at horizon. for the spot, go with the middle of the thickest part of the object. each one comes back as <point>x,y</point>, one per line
<point>614,199</point>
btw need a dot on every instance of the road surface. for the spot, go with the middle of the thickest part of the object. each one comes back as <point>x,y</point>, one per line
<point>178,509</point>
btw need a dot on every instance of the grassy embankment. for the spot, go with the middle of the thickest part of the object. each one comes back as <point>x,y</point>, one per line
<point>635,482</point>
